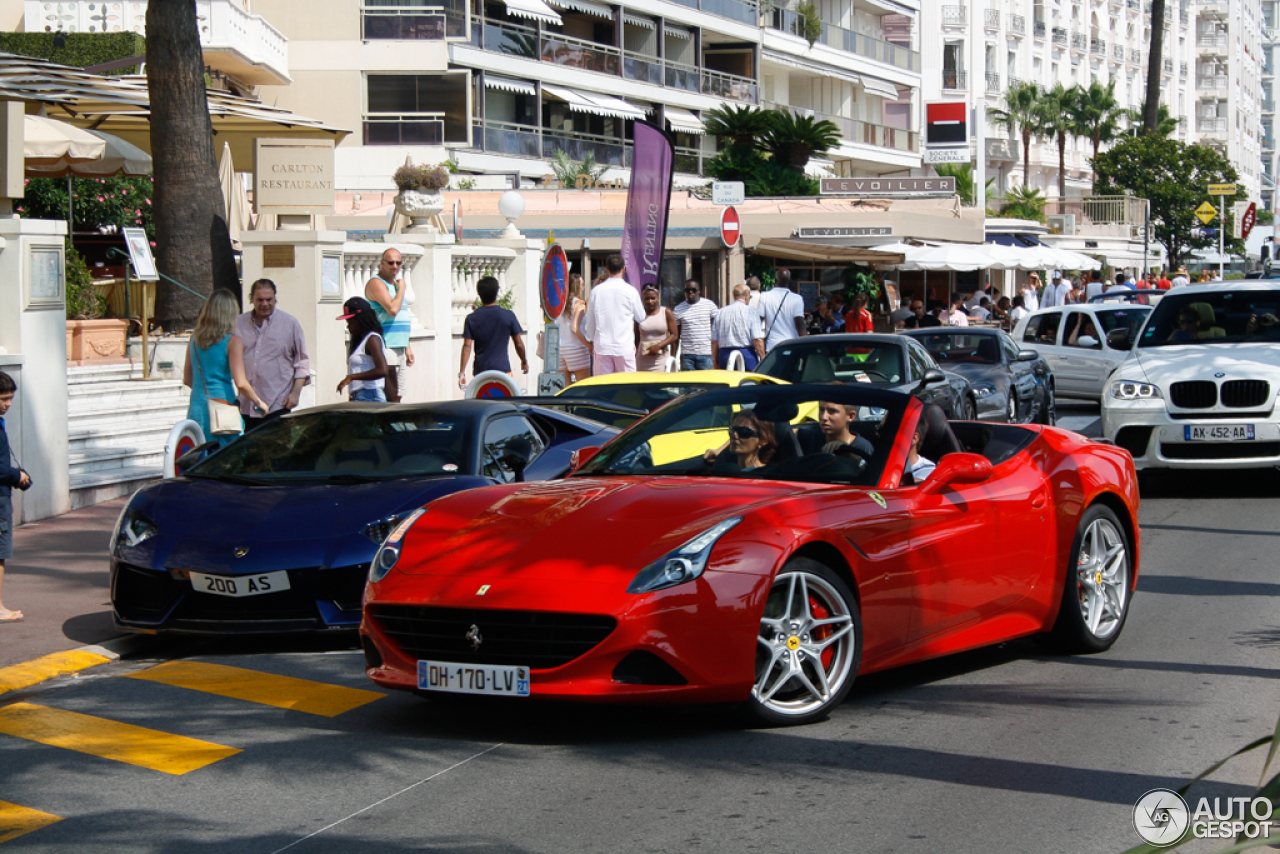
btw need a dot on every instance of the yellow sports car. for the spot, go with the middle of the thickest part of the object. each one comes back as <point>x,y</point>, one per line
<point>649,390</point>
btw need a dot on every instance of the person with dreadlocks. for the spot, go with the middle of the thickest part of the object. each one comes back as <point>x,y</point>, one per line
<point>366,357</point>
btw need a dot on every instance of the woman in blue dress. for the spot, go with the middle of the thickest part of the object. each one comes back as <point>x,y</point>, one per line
<point>215,363</point>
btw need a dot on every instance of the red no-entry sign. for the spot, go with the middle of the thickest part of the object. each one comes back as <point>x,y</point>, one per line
<point>730,227</point>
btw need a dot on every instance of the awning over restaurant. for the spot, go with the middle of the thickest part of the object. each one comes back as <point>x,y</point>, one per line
<point>506,84</point>
<point>684,121</point>
<point>595,103</point>
<point>801,250</point>
<point>535,10</point>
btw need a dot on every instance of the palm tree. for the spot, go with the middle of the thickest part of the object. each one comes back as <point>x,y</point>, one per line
<point>1023,203</point>
<point>1098,114</point>
<point>1057,108</point>
<point>1155,65</point>
<point>739,125</point>
<point>963,173</point>
<point>1166,124</point>
<point>1021,117</point>
<point>792,139</point>
<point>193,245</point>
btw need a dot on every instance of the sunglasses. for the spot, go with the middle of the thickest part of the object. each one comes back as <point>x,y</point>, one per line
<point>393,263</point>
<point>744,432</point>
<point>690,290</point>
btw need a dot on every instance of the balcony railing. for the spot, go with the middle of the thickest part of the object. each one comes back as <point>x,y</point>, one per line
<point>1097,47</point>
<point>1207,124</point>
<point>414,23</point>
<point>851,42</point>
<point>520,41</point>
<point>529,141</point>
<point>1168,66</point>
<point>955,16</point>
<point>1117,52</point>
<point>743,11</point>
<point>1182,69</point>
<point>991,19</point>
<point>1015,82</point>
<point>688,160</point>
<point>993,82</point>
<point>1038,29</point>
<point>865,133</point>
<point>1268,105</point>
<point>1268,143</point>
<point>1017,25</point>
<point>1212,40</point>
<point>405,129</point>
<point>1059,36</point>
<point>955,80</point>
<point>1079,41</point>
<point>1213,81</point>
<point>1135,56</point>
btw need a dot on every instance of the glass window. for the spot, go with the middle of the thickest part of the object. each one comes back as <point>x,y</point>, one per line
<point>824,361</point>
<point>1082,332</point>
<point>966,347</point>
<point>1010,348</point>
<point>498,434</point>
<point>921,361</point>
<point>417,109</point>
<point>1218,316</point>
<point>1122,318</point>
<point>1043,328</point>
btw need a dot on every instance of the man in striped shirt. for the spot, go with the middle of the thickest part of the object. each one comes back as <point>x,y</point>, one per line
<point>694,317</point>
<point>738,330</point>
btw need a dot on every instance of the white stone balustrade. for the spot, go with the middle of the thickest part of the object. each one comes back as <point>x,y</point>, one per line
<point>468,266</point>
<point>360,264</point>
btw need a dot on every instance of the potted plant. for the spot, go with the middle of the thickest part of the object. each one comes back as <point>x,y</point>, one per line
<point>420,198</point>
<point>91,336</point>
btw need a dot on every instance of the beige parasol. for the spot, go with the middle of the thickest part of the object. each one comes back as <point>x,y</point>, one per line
<point>84,153</point>
<point>233,196</point>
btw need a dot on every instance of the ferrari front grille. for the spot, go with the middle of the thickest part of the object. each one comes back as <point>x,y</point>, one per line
<point>1199,394</point>
<point>1242,393</point>
<point>536,639</point>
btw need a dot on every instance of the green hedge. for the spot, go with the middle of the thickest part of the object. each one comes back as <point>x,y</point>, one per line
<point>80,50</point>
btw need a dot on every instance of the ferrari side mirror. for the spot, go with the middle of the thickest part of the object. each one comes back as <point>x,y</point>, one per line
<point>957,469</point>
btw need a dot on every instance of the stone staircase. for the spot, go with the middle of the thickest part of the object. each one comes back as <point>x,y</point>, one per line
<point>118,425</point>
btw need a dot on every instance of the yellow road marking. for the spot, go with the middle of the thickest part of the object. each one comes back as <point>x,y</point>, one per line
<point>46,667</point>
<point>146,748</point>
<point>283,692</point>
<point>16,820</point>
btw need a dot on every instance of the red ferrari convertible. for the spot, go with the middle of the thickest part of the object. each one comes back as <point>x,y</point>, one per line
<point>761,545</point>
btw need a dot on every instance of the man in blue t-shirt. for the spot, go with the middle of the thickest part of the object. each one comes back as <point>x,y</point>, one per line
<point>489,326</point>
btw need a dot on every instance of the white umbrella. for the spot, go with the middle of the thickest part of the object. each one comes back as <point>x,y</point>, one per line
<point>951,256</point>
<point>116,157</point>
<point>1007,257</point>
<point>49,141</point>
<point>233,196</point>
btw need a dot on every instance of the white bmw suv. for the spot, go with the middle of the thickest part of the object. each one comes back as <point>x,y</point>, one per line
<point>1198,389</point>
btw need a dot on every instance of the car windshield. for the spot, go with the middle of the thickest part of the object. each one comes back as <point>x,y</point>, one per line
<point>962,347</point>
<point>837,435</point>
<point>1213,317</point>
<point>1122,318</point>
<point>820,361</point>
<point>350,445</point>
<point>646,396</point>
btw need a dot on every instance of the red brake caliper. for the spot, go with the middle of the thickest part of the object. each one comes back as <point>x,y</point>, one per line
<point>821,633</point>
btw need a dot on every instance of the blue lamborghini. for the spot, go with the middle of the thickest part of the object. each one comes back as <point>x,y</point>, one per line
<point>275,532</point>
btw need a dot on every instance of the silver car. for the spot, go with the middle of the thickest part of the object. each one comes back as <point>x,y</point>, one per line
<point>1073,340</point>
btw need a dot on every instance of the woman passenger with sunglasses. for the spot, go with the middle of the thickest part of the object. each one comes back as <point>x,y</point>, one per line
<point>751,441</point>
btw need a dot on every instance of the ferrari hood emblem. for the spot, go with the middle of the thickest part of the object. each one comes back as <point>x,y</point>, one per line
<point>241,551</point>
<point>484,588</point>
<point>879,499</point>
<point>474,636</point>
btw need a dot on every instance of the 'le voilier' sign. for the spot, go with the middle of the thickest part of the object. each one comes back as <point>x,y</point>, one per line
<point>888,188</point>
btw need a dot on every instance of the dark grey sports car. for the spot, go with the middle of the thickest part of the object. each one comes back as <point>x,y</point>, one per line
<point>889,362</point>
<point>1011,384</point>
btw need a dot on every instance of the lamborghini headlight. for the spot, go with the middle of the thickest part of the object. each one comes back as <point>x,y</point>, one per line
<point>1133,390</point>
<point>684,564</point>
<point>389,552</point>
<point>132,529</point>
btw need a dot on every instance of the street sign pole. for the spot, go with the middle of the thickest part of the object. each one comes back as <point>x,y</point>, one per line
<point>1222,191</point>
<point>1222,226</point>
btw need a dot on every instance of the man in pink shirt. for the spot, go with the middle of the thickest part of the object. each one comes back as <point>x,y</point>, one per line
<point>275,354</point>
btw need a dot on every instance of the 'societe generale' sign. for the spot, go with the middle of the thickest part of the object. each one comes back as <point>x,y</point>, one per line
<point>293,176</point>
<point>888,188</point>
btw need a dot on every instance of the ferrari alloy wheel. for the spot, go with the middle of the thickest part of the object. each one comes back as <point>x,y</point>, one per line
<point>809,646</point>
<point>1048,413</point>
<point>1096,599</point>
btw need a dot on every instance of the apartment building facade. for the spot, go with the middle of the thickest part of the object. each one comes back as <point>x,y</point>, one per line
<point>1211,73</point>
<point>1270,54</point>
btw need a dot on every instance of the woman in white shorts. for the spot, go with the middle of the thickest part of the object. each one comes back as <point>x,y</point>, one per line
<point>575,355</point>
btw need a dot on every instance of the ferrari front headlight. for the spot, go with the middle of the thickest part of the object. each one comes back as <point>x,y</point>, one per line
<point>389,552</point>
<point>1133,390</point>
<point>684,564</point>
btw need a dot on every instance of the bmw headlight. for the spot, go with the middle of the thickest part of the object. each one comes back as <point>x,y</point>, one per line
<point>132,529</point>
<point>1133,390</point>
<point>389,552</point>
<point>684,564</point>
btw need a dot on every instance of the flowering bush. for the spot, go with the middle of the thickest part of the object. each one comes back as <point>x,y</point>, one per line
<point>423,177</point>
<point>123,202</point>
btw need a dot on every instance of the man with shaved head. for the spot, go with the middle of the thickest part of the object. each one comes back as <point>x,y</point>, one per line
<point>385,292</point>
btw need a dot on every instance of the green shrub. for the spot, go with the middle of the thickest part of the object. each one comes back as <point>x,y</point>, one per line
<point>421,177</point>
<point>80,49</point>
<point>83,300</point>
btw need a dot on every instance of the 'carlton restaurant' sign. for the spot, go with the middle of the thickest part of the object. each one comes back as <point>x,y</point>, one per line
<point>293,176</point>
<point>889,188</point>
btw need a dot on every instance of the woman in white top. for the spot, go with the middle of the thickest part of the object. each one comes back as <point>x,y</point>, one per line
<point>1031,292</point>
<point>575,357</point>
<point>366,358</point>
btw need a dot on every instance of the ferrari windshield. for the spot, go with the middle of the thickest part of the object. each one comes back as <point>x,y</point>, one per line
<point>816,434</point>
<point>817,360</point>
<point>345,445</point>
<point>1214,317</point>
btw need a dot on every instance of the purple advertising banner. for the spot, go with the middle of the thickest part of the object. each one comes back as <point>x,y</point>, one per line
<point>644,231</point>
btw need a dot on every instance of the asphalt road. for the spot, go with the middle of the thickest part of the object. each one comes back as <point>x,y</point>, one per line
<point>1004,749</point>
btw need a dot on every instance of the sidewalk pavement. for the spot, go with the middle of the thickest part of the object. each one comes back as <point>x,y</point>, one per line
<point>59,578</point>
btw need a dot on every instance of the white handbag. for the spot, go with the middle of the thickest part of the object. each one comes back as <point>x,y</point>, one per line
<point>224,417</point>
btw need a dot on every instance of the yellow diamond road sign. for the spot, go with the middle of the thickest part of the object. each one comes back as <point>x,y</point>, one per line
<point>1206,212</point>
<point>1222,189</point>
